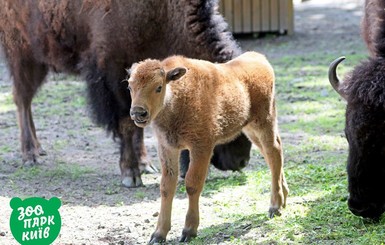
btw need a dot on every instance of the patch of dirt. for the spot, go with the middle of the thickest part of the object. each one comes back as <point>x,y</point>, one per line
<point>83,161</point>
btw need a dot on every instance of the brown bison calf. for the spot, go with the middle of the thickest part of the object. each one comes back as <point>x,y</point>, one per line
<point>195,104</point>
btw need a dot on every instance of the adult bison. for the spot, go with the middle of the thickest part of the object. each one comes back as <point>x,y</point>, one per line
<point>364,91</point>
<point>98,40</point>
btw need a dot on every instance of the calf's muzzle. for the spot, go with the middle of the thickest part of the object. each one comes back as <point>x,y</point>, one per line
<point>139,114</point>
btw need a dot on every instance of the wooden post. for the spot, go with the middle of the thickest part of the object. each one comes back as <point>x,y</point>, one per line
<point>251,16</point>
<point>237,6</point>
<point>246,16</point>
<point>228,6</point>
<point>265,13</point>
<point>256,15</point>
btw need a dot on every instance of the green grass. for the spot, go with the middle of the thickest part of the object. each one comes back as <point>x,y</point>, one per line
<point>6,102</point>
<point>140,194</point>
<point>64,97</point>
<point>316,212</point>
<point>315,152</point>
<point>59,171</point>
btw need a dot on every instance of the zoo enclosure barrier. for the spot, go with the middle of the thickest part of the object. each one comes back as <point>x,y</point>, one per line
<point>256,16</point>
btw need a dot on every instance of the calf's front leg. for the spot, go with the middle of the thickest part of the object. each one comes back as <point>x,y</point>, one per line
<point>195,179</point>
<point>170,171</point>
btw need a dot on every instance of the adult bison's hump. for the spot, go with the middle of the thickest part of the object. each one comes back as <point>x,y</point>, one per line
<point>66,35</point>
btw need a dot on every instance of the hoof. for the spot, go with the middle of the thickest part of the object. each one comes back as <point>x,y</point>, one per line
<point>147,168</point>
<point>31,157</point>
<point>29,163</point>
<point>187,235</point>
<point>30,160</point>
<point>132,182</point>
<point>157,239</point>
<point>42,152</point>
<point>274,212</point>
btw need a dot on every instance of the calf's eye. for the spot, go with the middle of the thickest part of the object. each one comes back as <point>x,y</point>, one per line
<point>158,89</point>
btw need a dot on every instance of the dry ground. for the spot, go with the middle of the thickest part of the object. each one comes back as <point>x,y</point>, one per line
<point>82,162</point>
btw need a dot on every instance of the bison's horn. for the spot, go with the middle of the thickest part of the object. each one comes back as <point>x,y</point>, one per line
<point>333,78</point>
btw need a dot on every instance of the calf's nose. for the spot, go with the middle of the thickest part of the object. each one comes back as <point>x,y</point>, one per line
<point>138,112</point>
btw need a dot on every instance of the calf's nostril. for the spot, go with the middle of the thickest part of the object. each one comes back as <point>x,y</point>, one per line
<point>143,114</point>
<point>139,113</point>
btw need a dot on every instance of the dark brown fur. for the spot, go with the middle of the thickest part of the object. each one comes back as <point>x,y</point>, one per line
<point>365,132</point>
<point>364,90</point>
<point>98,39</point>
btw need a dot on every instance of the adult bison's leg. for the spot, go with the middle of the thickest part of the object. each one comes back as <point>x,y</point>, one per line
<point>28,75</point>
<point>145,165</point>
<point>133,154</point>
<point>110,99</point>
<point>129,161</point>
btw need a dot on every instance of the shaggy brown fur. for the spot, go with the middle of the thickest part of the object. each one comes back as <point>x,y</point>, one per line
<point>194,105</point>
<point>98,39</point>
<point>364,90</point>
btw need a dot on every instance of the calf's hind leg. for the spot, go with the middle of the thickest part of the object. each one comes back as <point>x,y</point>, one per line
<point>28,76</point>
<point>269,142</point>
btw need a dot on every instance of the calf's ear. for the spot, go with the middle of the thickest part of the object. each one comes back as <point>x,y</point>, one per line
<point>175,74</point>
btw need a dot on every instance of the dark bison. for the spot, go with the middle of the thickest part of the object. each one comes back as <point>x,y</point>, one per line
<point>364,91</point>
<point>98,40</point>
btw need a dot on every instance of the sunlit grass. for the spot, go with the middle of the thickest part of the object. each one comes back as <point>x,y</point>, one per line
<point>315,150</point>
<point>6,102</point>
<point>60,170</point>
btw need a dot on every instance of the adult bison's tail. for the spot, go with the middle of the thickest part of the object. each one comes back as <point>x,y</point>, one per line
<point>210,31</point>
<point>104,107</point>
